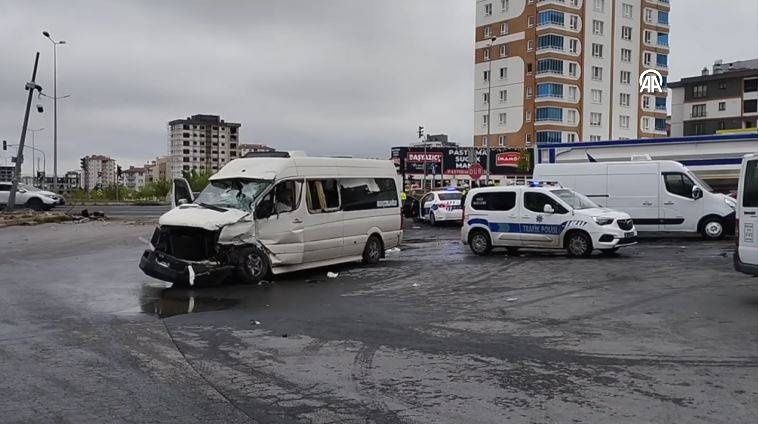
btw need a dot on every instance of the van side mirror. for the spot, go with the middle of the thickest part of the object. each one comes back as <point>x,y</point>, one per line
<point>697,192</point>
<point>548,209</point>
<point>264,209</point>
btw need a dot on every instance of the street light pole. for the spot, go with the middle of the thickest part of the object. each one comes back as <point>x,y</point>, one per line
<point>55,108</point>
<point>489,103</point>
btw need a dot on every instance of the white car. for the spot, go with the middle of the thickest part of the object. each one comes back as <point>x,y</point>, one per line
<point>25,198</point>
<point>746,253</point>
<point>542,216</point>
<point>59,200</point>
<point>441,206</point>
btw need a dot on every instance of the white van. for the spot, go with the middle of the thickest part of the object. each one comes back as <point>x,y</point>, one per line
<point>270,213</point>
<point>659,195</point>
<point>746,254</point>
<point>543,216</point>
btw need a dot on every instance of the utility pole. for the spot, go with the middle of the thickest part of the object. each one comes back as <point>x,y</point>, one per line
<point>34,173</point>
<point>30,87</point>
<point>55,107</point>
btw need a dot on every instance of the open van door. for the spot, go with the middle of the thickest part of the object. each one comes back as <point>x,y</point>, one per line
<point>181,192</point>
<point>747,215</point>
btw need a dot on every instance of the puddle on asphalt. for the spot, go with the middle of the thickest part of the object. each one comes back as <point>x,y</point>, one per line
<point>166,302</point>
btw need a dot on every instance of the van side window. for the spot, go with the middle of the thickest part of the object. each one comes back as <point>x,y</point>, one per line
<point>323,196</point>
<point>368,193</point>
<point>287,196</point>
<point>535,202</point>
<point>678,183</point>
<point>502,201</point>
<point>750,185</point>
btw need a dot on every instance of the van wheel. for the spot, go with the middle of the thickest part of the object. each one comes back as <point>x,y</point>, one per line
<point>254,265</point>
<point>372,253</point>
<point>35,204</point>
<point>479,242</point>
<point>579,245</point>
<point>712,229</point>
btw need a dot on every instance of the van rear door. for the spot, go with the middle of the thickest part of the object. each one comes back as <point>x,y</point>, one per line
<point>748,213</point>
<point>633,188</point>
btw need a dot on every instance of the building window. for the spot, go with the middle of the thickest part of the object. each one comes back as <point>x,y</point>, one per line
<point>486,75</point>
<point>529,68</point>
<point>571,137</point>
<point>660,103</point>
<point>574,22</point>
<point>528,116</point>
<point>488,9</point>
<point>750,106</point>
<point>530,45</point>
<point>595,119</point>
<point>597,27</point>
<point>570,116</point>
<point>599,6</point>
<point>626,33</point>
<point>530,21</point>
<point>572,92</point>
<point>624,121</point>
<point>503,96</point>
<point>648,37</point>
<point>663,39</point>
<point>487,53</point>
<point>699,91</point>
<point>550,41</point>
<point>594,138</point>
<point>504,5</point>
<point>626,55</point>
<point>487,32</point>
<point>649,15</point>
<point>750,85</point>
<point>573,45</point>
<point>663,17</point>
<point>550,66</point>
<point>550,90</point>
<point>698,111</point>
<point>662,60</point>
<point>597,73</point>
<point>551,17</point>
<point>548,136</point>
<point>503,73</point>
<point>573,69</point>
<point>626,10</point>
<point>624,99</point>
<point>722,125</point>
<point>528,92</point>
<point>501,140</point>
<point>485,120</point>
<point>626,77</point>
<point>486,97</point>
<point>502,118</point>
<point>553,114</point>
<point>596,95</point>
<point>504,50</point>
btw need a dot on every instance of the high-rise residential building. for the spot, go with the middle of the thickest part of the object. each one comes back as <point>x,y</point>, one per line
<point>726,99</point>
<point>98,171</point>
<point>201,142</point>
<point>552,71</point>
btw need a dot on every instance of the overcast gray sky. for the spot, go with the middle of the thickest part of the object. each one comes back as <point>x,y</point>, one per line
<point>329,77</point>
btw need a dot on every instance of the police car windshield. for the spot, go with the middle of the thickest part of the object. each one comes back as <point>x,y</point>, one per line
<point>574,199</point>
<point>453,195</point>
<point>234,193</point>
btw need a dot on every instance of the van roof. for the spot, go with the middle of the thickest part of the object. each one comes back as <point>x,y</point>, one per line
<point>269,168</point>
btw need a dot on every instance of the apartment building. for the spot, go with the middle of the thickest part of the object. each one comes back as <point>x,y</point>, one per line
<point>726,99</point>
<point>98,171</point>
<point>202,142</point>
<point>552,71</point>
<point>135,177</point>
<point>157,169</point>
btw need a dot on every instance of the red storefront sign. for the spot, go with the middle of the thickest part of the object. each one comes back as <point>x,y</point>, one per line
<point>432,157</point>
<point>475,171</point>
<point>507,159</point>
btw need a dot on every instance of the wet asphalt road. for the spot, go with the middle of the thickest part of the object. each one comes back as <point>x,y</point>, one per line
<point>666,332</point>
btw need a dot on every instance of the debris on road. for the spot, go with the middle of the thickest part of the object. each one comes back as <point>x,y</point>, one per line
<point>511,299</point>
<point>393,250</point>
<point>255,322</point>
<point>415,285</point>
<point>331,274</point>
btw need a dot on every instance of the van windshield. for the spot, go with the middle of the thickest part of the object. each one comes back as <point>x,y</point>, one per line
<point>574,199</point>
<point>234,193</point>
<point>700,182</point>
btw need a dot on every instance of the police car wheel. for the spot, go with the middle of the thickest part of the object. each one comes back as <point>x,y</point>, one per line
<point>713,229</point>
<point>479,242</point>
<point>432,220</point>
<point>579,245</point>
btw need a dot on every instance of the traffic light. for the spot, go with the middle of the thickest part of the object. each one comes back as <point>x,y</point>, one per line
<point>83,161</point>
<point>5,145</point>
<point>119,171</point>
<point>420,132</point>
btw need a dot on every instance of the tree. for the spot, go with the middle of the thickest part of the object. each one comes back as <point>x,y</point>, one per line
<point>197,180</point>
<point>525,162</point>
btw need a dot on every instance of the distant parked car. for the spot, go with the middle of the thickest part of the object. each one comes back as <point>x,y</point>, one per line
<point>441,206</point>
<point>59,200</point>
<point>30,199</point>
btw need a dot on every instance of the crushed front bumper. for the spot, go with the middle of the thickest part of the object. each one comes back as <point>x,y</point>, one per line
<point>165,267</point>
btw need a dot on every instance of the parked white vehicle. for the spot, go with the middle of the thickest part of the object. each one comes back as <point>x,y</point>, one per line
<point>542,216</point>
<point>26,198</point>
<point>277,212</point>
<point>59,200</point>
<point>746,253</point>
<point>441,206</point>
<point>659,195</point>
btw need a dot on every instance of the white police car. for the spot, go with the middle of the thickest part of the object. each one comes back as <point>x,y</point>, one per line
<point>541,215</point>
<point>439,206</point>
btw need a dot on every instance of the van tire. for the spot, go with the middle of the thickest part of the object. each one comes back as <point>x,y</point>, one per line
<point>35,204</point>
<point>578,244</point>
<point>254,265</point>
<point>479,242</point>
<point>373,251</point>
<point>712,228</point>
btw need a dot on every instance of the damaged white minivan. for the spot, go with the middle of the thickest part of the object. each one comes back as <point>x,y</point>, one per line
<point>275,212</point>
